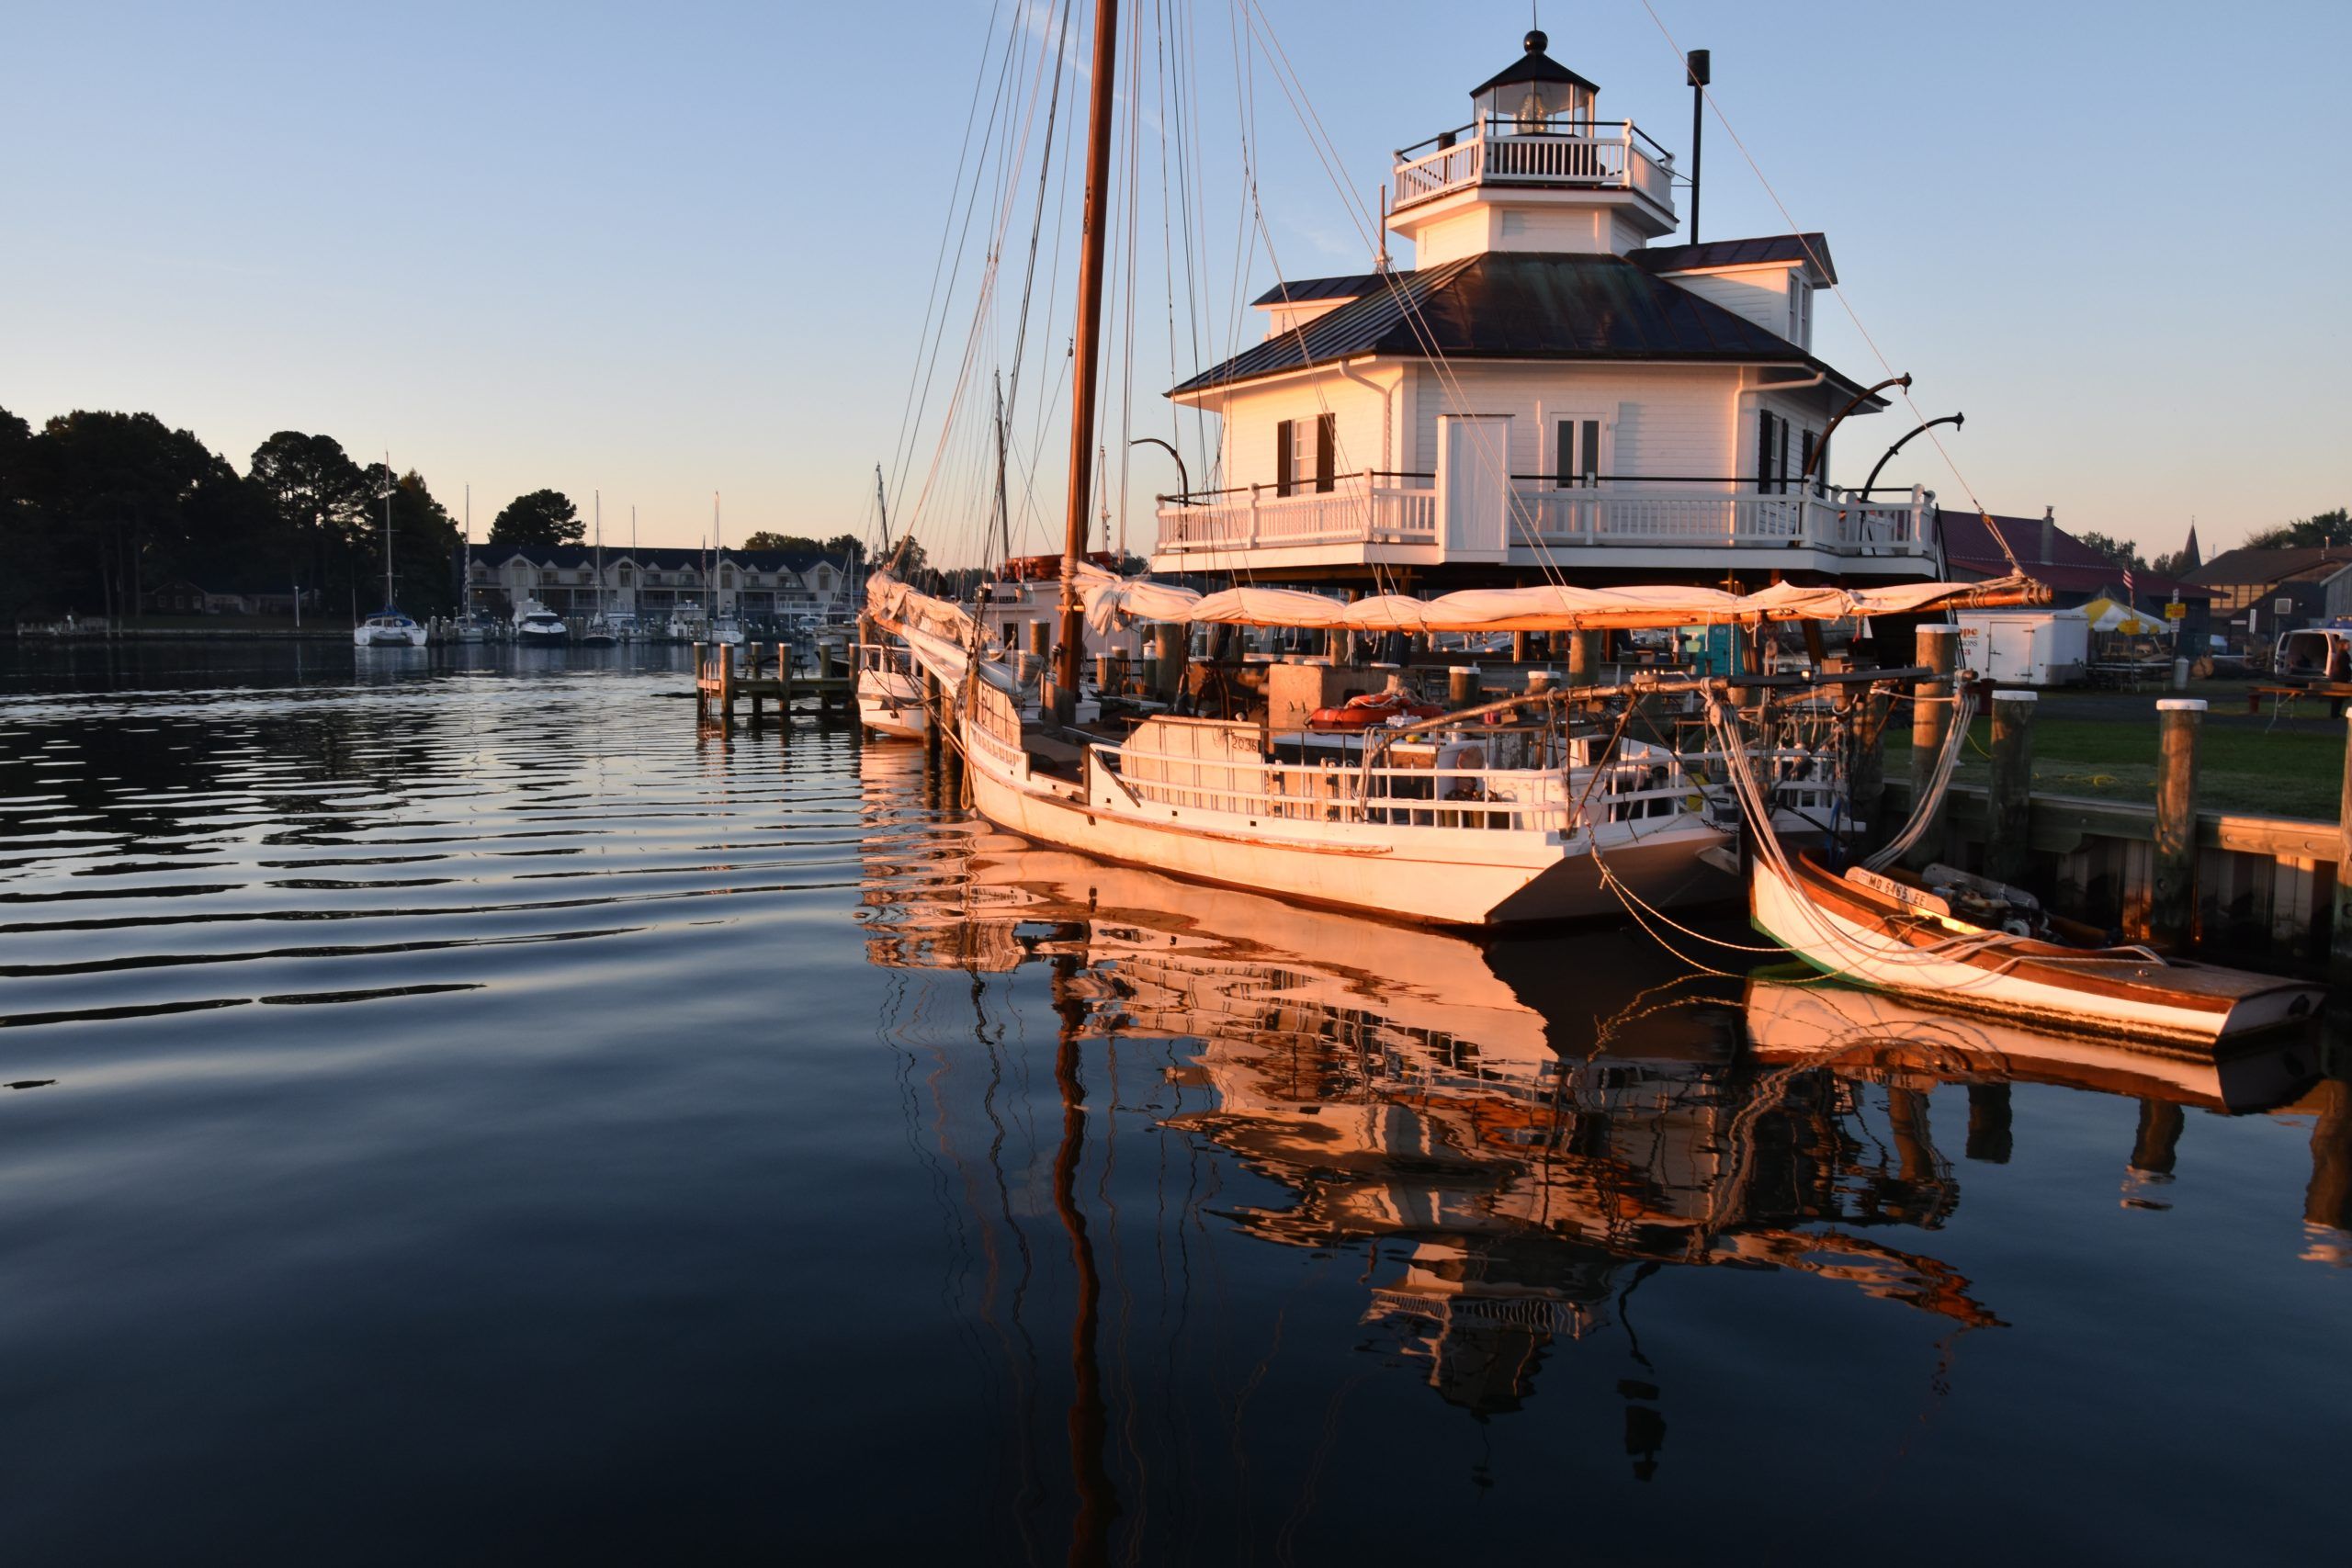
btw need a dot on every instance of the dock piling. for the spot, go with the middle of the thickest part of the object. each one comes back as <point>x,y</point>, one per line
<point>2011,802</point>
<point>1931,713</point>
<point>2172,898</point>
<point>1584,658</point>
<point>2340,928</point>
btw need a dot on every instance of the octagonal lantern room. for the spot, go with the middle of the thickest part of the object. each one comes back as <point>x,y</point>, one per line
<point>1534,94</point>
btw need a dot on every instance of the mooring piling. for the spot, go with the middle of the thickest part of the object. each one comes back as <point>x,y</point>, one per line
<point>2006,853</point>
<point>2171,896</point>
<point>2340,927</point>
<point>1931,715</point>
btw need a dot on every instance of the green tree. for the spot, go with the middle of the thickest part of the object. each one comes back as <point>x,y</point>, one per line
<point>2306,533</point>
<point>841,547</point>
<point>2121,552</point>
<point>424,540</point>
<point>320,499</point>
<point>542,517</point>
<point>25,544</point>
<point>116,489</point>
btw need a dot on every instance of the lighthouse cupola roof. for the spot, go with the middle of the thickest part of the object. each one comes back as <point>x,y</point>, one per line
<point>1534,92</point>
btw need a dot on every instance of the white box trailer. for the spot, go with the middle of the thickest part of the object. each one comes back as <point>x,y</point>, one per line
<point>2026,648</point>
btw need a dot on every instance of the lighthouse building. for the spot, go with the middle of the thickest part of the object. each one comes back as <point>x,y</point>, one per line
<point>1548,391</point>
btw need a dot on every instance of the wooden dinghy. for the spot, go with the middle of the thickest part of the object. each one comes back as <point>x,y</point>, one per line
<point>1956,941</point>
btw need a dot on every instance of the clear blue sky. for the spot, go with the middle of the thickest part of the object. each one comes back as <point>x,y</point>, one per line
<point>660,250</point>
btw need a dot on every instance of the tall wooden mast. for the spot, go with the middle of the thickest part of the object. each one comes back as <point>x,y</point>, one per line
<point>1087,348</point>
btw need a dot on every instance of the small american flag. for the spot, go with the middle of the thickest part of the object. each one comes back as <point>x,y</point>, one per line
<point>2129,591</point>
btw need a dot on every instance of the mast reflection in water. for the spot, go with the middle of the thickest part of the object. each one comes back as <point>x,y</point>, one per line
<point>1499,1143</point>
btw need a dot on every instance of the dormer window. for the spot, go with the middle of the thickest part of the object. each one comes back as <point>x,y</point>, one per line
<point>1800,310</point>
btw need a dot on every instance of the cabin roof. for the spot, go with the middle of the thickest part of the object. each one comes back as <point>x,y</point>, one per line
<point>2248,567</point>
<point>1518,305</point>
<point>1813,247</point>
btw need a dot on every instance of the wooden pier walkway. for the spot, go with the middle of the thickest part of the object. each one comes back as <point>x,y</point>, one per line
<point>762,672</point>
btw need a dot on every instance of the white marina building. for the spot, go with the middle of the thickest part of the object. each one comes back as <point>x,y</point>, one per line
<point>654,583</point>
<point>1547,391</point>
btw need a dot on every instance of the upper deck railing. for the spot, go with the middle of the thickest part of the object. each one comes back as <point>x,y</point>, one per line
<point>1401,509</point>
<point>1600,155</point>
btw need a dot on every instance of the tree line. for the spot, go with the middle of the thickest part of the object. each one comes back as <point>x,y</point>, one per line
<point>100,513</point>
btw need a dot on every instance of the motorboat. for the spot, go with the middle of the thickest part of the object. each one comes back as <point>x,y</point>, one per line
<point>388,627</point>
<point>476,628</point>
<point>534,623</point>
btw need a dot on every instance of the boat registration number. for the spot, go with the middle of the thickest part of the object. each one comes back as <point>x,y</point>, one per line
<point>1902,893</point>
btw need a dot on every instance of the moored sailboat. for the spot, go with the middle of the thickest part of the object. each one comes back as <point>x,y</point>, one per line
<point>389,626</point>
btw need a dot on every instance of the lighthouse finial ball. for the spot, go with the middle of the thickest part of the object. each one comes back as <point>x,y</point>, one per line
<point>1536,41</point>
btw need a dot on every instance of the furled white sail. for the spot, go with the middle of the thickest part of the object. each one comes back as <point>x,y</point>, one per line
<point>1112,602</point>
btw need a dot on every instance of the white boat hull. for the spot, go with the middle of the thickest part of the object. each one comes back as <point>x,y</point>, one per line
<point>1455,876</point>
<point>379,636</point>
<point>889,702</point>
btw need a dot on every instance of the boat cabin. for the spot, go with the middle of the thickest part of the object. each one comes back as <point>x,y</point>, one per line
<point>1546,390</point>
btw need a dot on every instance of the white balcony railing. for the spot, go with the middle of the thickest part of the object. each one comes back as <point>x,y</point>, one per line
<point>1401,509</point>
<point>1377,509</point>
<point>1600,157</point>
<point>1831,520</point>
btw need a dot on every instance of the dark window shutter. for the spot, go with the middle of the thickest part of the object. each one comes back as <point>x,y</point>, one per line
<point>1590,466</point>
<point>1806,454</point>
<point>1326,452</point>
<point>1763,451</point>
<point>1285,457</point>
<point>1780,460</point>
<point>1563,456</point>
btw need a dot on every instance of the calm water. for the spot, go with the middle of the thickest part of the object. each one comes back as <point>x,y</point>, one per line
<point>461,1114</point>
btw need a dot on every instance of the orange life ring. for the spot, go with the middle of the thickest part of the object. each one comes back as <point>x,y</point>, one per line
<point>1371,709</point>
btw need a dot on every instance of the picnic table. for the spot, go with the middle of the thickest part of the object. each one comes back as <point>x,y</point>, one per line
<point>2335,693</point>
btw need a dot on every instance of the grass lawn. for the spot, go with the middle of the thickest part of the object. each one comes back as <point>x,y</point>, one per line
<point>2104,745</point>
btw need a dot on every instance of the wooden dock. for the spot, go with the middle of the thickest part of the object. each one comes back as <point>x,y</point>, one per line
<point>761,674</point>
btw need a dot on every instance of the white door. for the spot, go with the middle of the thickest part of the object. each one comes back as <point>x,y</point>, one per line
<point>1473,483</point>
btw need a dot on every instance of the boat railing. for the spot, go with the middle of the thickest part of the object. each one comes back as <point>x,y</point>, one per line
<point>1542,800</point>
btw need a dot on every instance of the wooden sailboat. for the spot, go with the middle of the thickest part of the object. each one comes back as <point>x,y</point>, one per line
<point>1951,938</point>
<point>1973,945</point>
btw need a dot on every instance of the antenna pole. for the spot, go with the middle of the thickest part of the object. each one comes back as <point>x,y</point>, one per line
<point>882,500</point>
<point>1087,347</point>
<point>1702,72</point>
